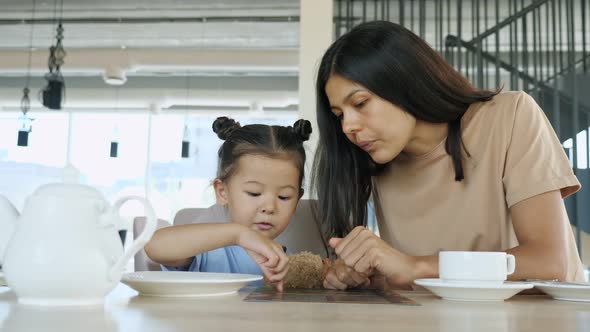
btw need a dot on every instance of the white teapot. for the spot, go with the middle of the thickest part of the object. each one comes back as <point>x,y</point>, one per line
<point>65,248</point>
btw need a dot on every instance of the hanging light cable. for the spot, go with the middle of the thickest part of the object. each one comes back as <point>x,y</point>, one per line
<point>114,152</point>
<point>25,102</point>
<point>185,152</point>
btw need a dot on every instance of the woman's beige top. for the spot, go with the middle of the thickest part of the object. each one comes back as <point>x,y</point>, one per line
<point>515,155</point>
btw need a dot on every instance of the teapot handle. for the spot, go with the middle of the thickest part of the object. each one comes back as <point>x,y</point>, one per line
<point>140,241</point>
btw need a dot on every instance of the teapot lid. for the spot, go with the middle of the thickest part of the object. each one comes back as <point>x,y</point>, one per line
<point>70,187</point>
<point>69,190</point>
<point>70,174</point>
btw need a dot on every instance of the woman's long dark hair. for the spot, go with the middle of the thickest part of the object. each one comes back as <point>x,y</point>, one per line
<point>398,66</point>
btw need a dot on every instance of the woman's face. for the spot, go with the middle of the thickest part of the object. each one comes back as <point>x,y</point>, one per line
<point>374,124</point>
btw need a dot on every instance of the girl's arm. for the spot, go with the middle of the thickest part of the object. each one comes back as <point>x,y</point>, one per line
<point>177,245</point>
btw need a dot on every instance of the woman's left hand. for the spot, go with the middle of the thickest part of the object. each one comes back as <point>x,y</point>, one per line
<point>365,252</point>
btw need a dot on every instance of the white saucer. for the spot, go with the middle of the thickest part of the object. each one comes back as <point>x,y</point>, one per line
<point>579,292</point>
<point>470,291</point>
<point>186,284</point>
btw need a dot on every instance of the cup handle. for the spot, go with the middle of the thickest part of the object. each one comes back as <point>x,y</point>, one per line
<point>511,264</point>
<point>140,241</point>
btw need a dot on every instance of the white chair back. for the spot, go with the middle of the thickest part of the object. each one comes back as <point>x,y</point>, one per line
<point>141,259</point>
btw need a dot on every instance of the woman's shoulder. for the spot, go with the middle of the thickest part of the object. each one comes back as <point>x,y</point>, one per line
<point>512,101</point>
<point>493,122</point>
<point>510,97</point>
<point>501,109</point>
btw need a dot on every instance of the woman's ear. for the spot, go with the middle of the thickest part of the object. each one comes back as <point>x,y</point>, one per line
<point>220,192</point>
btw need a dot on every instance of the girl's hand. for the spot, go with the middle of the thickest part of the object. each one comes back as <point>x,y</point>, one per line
<point>365,252</point>
<point>268,254</point>
<point>341,276</point>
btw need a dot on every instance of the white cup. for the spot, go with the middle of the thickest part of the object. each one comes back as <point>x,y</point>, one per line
<point>475,266</point>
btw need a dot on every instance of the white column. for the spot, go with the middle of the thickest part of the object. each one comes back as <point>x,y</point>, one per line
<point>315,36</point>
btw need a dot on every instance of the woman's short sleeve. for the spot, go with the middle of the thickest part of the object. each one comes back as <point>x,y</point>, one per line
<point>535,160</point>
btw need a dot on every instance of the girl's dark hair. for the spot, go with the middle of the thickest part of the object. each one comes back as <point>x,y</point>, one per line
<point>398,66</point>
<point>270,141</point>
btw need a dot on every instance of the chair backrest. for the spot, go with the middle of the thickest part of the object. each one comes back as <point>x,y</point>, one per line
<point>302,234</point>
<point>213,214</point>
<point>142,261</point>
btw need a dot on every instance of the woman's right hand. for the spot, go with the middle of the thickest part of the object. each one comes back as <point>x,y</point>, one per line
<point>268,254</point>
<point>341,276</point>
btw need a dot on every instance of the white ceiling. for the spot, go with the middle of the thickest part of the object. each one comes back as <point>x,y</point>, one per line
<point>202,24</point>
<point>154,38</point>
<point>153,41</point>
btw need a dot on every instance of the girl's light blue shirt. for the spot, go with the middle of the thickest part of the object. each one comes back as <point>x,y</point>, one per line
<point>232,259</point>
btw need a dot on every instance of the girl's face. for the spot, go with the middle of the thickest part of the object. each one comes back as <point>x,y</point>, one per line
<point>375,125</point>
<point>261,194</point>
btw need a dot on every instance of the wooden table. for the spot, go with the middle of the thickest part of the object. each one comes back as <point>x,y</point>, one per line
<point>125,311</point>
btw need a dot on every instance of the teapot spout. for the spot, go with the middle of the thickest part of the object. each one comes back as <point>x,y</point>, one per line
<point>8,217</point>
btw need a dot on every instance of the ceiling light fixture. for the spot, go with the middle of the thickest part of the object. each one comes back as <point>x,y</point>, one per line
<point>54,92</point>
<point>114,76</point>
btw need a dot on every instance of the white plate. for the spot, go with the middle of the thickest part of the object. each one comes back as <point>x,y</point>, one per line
<point>473,291</point>
<point>186,284</point>
<point>579,292</point>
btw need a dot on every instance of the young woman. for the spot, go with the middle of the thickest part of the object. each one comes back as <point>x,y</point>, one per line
<point>449,166</point>
<point>259,181</point>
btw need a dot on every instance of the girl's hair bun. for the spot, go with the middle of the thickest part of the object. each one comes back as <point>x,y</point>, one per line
<point>302,129</point>
<point>224,126</point>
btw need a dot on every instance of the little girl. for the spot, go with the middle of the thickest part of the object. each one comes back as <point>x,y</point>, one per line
<point>259,180</point>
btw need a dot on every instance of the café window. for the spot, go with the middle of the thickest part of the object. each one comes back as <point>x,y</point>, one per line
<point>148,161</point>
